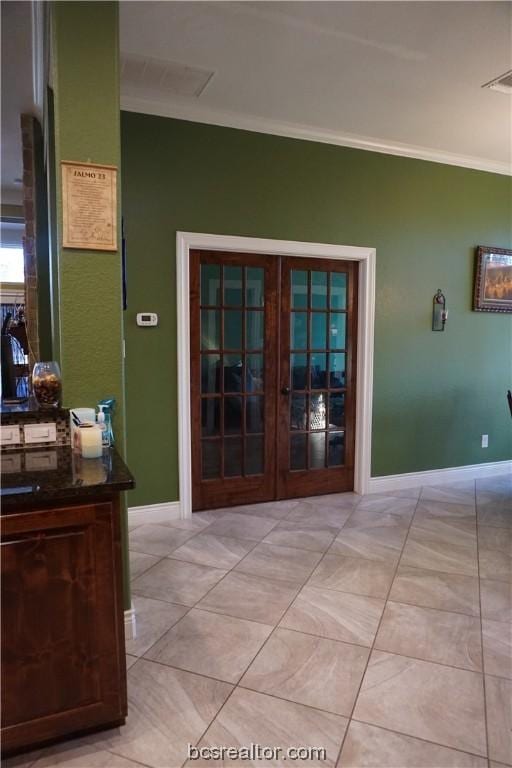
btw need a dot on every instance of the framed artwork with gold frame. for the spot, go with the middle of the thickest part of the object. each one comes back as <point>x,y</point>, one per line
<point>493,280</point>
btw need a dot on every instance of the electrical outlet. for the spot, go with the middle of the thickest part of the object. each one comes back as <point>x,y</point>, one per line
<point>485,441</point>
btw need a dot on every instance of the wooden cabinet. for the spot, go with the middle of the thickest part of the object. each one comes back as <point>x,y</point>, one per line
<point>63,665</point>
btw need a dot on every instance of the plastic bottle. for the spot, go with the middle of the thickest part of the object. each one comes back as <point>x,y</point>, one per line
<point>102,424</point>
<point>108,404</point>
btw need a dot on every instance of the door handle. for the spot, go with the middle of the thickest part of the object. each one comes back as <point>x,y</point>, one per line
<point>285,390</point>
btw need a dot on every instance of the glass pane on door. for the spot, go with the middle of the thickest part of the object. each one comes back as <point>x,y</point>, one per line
<point>232,370</point>
<point>318,326</point>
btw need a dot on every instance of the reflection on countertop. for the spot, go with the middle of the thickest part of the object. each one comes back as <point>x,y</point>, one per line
<point>32,407</point>
<point>32,476</point>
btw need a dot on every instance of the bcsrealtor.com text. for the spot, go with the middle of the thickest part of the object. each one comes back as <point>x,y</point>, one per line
<point>256,752</point>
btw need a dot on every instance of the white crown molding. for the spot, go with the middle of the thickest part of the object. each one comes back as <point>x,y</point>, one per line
<point>182,110</point>
<point>438,476</point>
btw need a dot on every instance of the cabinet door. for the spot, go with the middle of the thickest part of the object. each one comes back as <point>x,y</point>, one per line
<point>62,625</point>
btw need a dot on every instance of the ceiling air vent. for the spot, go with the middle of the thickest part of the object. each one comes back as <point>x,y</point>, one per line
<point>143,74</point>
<point>503,83</point>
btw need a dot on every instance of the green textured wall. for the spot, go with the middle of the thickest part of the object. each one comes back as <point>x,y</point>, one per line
<point>434,393</point>
<point>86,115</point>
<point>86,285</point>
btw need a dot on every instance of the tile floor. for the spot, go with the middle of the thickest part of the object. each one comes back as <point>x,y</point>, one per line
<point>377,627</point>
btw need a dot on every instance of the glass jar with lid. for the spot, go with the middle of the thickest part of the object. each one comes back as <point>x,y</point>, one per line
<point>47,384</point>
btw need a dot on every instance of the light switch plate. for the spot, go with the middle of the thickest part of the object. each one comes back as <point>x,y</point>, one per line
<point>40,433</point>
<point>10,435</point>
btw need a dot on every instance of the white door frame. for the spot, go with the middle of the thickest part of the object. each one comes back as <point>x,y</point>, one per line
<point>185,241</point>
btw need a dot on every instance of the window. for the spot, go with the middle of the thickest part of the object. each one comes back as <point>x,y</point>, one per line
<point>11,264</point>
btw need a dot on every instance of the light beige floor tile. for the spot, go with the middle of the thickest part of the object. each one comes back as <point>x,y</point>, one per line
<point>452,523</point>
<point>425,633</point>
<point>403,508</point>
<point>496,597</point>
<point>250,597</point>
<point>351,574</point>
<point>429,701</point>
<point>365,518</point>
<point>495,564</point>
<point>271,562</point>
<point>420,552</point>
<point>432,589</point>
<point>495,511</point>
<point>334,501</point>
<point>130,661</point>
<point>310,536</point>
<point>497,642</point>
<point>321,513</point>
<point>139,563</point>
<point>428,509</point>
<point>496,483</point>
<point>492,764</point>
<point>197,522</point>
<point>77,754</point>
<point>168,709</point>
<point>498,699</point>
<point>238,526</point>
<point>157,539</point>
<point>177,582</point>
<point>367,746</point>
<point>211,644</point>
<point>253,718</point>
<point>495,553</point>
<point>499,540</point>
<point>275,510</point>
<point>153,618</point>
<point>309,670</point>
<point>498,494</point>
<point>216,551</point>
<point>344,499</point>
<point>372,543</point>
<point>451,531</point>
<point>452,493</point>
<point>335,615</point>
<point>397,493</point>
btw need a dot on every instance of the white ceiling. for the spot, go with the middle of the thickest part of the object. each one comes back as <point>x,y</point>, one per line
<point>17,92</point>
<point>403,77</point>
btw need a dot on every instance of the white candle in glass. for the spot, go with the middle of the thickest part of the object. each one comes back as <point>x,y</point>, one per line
<point>90,441</point>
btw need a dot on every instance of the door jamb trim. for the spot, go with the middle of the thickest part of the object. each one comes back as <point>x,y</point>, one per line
<point>185,242</point>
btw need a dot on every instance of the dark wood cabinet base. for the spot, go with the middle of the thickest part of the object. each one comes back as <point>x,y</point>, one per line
<point>63,653</point>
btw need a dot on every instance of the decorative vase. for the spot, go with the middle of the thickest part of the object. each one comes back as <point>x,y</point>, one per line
<point>47,384</point>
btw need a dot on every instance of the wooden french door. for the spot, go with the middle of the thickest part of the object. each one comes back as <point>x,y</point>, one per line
<point>317,376</point>
<point>273,361</point>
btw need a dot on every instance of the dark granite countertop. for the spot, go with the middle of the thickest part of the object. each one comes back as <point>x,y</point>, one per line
<point>52,474</point>
<point>31,407</point>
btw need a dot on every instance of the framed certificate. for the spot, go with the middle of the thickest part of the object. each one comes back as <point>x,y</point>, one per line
<point>89,206</point>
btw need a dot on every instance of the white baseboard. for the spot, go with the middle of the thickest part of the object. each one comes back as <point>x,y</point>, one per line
<point>438,476</point>
<point>154,513</point>
<point>170,510</point>
<point>130,624</point>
